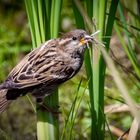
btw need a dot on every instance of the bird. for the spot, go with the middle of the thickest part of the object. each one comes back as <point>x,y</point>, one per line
<point>45,68</point>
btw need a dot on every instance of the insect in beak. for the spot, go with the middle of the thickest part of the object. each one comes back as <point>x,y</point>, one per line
<point>86,39</point>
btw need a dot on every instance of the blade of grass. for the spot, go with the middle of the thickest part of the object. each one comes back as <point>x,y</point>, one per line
<point>78,18</point>
<point>128,48</point>
<point>77,105</point>
<point>40,17</point>
<point>30,18</point>
<point>98,76</point>
<point>120,84</point>
<point>117,29</point>
<point>88,66</point>
<point>52,100</point>
<point>110,22</point>
<point>97,93</point>
<point>47,15</point>
<point>68,120</point>
<point>55,17</point>
<point>29,99</point>
<point>41,20</point>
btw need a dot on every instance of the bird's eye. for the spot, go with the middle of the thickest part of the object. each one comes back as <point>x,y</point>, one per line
<point>74,38</point>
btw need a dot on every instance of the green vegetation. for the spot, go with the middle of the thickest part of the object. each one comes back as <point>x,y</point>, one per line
<point>83,98</point>
<point>44,24</point>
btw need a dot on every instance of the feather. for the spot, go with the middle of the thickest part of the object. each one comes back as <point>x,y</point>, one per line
<point>42,70</point>
<point>45,65</point>
<point>3,100</point>
<point>53,63</point>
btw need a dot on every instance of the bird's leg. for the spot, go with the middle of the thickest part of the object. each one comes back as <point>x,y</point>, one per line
<point>43,106</point>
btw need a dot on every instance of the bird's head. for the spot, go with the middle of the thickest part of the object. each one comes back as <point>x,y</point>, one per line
<point>75,40</point>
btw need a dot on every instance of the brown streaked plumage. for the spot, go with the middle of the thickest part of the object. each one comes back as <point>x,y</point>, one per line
<point>45,68</point>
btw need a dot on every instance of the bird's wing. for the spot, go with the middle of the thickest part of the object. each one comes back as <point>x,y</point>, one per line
<point>42,65</point>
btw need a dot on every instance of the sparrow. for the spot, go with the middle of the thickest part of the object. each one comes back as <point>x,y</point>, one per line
<point>42,70</point>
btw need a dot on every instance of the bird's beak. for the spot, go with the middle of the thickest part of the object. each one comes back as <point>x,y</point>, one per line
<point>86,39</point>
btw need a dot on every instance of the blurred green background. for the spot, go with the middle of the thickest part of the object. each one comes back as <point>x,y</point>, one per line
<point>18,122</point>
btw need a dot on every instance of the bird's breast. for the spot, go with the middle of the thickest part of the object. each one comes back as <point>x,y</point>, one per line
<point>76,62</point>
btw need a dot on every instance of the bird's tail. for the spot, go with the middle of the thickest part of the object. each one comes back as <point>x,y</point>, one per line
<point>3,100</point>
